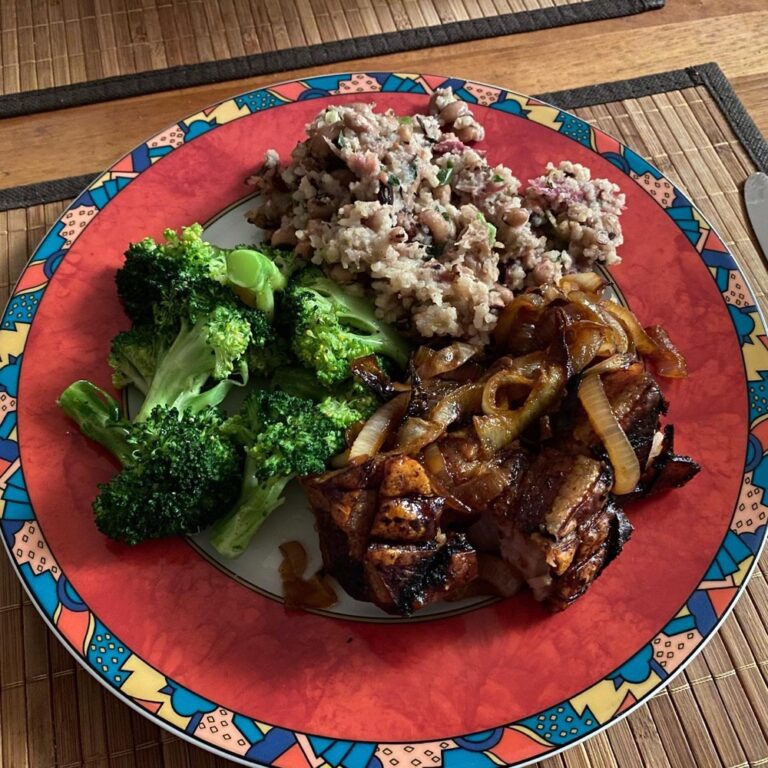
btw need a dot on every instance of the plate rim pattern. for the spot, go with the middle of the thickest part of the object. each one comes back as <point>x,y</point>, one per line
<point>249,741</point>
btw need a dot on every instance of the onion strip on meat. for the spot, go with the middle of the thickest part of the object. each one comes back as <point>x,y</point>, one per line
<point>611,365</point>
<point>504,382</point>
<point>520,316</point>
<point>652,342</point>
<point>379,426</point>
<point>626,467</point>
<point>434,363</point>
<point>596,311</point>
<point>498,430</point>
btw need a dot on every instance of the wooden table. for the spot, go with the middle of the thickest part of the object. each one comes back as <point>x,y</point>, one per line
<point>734,33</point>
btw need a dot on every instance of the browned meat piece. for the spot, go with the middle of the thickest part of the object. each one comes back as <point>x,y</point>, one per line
<point>556,524</point>
<point>379,529</point>
<point>344,521</point>
<point>638,403</point>
<point>602,539</point>
<point>665,470</point>
<point>404,578</point>
<point>411,519</point>
<point>404,476</point>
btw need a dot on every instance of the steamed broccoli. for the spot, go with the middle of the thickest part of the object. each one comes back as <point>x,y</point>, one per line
<point>331,328</point>
<point>214,332</point>
<point>199,330</point>
<point>283,436</point>
<point>133,357</point>
<point>343,404</point>
<point>179,469</point>
<point>151,268</point>
<point>257,273</point>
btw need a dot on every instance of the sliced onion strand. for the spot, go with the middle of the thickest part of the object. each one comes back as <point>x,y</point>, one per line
<point>626,467</point>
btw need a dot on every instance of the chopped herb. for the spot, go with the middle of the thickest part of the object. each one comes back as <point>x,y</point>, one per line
<point>491,227</point>
<point>497,177</point>
<point>444,175</point>
<point>393,181</point>
<point>407,119</point>
<point>341,142</point>
<point>445,215</point>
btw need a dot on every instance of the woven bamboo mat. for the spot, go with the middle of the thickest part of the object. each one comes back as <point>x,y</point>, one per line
<point>52,713</point>
<point>64,45</point>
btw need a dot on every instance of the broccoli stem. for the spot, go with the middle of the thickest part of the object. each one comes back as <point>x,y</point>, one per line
<point>182,373</point>
<point>258,498</point>
<point>258,275</point>
<point>98,416</point>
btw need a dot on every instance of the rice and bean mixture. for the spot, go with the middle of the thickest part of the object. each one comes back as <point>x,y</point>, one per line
<point>404,207</point>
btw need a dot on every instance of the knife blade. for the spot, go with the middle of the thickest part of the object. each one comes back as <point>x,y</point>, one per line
<point>756,200</point>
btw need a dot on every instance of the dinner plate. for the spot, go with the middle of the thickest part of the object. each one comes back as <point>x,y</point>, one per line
<point>207,649</point>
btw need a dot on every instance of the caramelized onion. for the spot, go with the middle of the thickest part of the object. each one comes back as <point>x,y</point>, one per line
<point>299,592</point>
<point>368,371</point>
<point>443,360</point>
<point>513,384</point>
<point>435,462</point>
<point>498,430</point>
<point>379,427</point>
<point>611,365</point>
<point>415,433</point>
<point>459,404</point>
<point>585,340</point>
<point>517,323</point>
<point>652,342</point>
<point>616,336</point>
<point>479,491</point>
<point>626,467</point>
<point>667,359</point>
<point>590,282</point>
<point>640,338</point>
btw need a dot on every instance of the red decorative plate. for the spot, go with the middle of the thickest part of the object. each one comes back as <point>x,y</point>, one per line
<point>212,654</point>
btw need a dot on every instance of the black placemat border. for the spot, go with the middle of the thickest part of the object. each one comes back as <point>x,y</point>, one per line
<point>708,75</point>
<point>206,73</point>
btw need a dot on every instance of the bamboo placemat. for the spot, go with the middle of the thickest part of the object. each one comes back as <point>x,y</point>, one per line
<point>715,713</point>
<point>80,51</point>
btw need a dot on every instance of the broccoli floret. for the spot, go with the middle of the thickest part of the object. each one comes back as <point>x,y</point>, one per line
<point>133,357</point>
<point>258,273</point>
<point>352,403</point>
<point>343,404</point>
<point>213,338</point>
<point>180,470</point>
<point>283,436</point>
<point>331,328</point>
<point>198,327</point>
<point>269,352</point>
<point>153,271</point>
